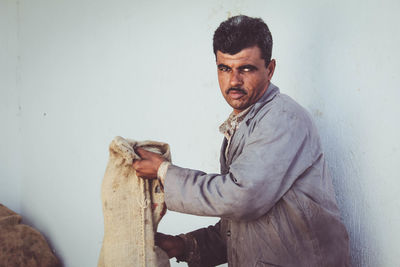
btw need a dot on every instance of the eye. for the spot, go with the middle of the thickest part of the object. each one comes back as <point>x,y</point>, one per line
<point>223,68</point>
<point>247,68</point>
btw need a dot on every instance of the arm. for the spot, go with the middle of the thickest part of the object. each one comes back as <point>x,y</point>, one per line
<point>276,153</point>
<point>210,246</point>
<point>203,247</point>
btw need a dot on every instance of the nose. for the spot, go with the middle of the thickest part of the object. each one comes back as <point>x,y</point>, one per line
<point>236,78</point>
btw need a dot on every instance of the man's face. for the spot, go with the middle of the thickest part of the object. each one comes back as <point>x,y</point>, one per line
<point>243,77</point>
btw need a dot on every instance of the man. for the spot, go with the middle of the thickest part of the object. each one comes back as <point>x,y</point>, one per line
<point>274,195</point>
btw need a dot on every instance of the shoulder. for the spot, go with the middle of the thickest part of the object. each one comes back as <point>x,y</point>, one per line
<point>283,111</point>
<point>283,116</point>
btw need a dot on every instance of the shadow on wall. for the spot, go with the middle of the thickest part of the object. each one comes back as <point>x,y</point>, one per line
<point>341,129</point>
<point>340,136</point>
<point>351,197</point>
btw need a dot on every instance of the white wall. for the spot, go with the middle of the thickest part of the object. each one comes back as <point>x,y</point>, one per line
<point>341,60</point>
<point>10,113</point>
<point>78,73</point>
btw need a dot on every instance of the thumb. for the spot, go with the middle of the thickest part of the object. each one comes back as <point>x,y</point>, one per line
<point>143,154</point>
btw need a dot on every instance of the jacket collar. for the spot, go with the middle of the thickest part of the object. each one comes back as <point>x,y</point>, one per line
<point>271,92</point>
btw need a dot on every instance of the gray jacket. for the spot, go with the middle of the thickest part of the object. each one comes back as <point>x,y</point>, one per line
<point>274,194</point>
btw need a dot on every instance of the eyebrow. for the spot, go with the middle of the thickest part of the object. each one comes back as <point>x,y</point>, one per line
<point>248,66</point>
<point>223,66</point>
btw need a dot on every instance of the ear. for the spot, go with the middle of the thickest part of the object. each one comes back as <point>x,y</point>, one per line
<point>271,69</point>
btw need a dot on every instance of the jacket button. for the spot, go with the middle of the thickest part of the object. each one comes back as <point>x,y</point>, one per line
<point>228,233</point>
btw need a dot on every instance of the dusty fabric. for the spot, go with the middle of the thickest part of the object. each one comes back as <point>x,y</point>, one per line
<point>274,195</point>
<point>132,209</point>
<point>229,126</point>
<point>162,171</point>
<point>21,245</point>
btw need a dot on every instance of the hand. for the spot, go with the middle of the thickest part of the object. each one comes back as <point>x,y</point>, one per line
<point>172,245</point>
<point>148,165</point>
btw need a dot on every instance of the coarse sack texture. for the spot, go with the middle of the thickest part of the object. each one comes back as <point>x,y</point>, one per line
<point>21,245</point>
<point>132,208</point>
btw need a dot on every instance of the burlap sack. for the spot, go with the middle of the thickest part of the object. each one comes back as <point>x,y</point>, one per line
<point>132,209</point>
<point>21,245</point>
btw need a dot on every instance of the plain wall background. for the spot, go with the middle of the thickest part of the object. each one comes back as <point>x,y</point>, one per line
<point>10,138</point>
<point>74,74</point>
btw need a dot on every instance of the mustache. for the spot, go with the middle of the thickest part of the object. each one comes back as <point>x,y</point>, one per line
<point>238,89</point>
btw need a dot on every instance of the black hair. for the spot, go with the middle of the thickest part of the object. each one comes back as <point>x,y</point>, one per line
<point>239,32</point>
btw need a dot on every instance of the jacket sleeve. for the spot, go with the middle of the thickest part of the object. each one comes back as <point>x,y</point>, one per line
<point>274,155</point>
<point>205,247</point>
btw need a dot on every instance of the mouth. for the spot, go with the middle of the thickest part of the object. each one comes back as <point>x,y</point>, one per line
<point>236,93</point>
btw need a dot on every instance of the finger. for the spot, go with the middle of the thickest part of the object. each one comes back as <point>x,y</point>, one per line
<point>136,164</point>
<point>173,252</point>
<point>159,237</point>
<point>139,166</point>
<point>142,152</point>
<point>162,241</point>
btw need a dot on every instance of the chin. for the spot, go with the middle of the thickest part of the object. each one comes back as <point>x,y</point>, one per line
<point>240,106</point>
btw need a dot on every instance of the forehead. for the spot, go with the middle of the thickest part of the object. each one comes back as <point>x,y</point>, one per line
<point>250,55</point>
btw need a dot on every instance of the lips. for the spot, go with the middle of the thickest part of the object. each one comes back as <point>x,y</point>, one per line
<point>236,94</point>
